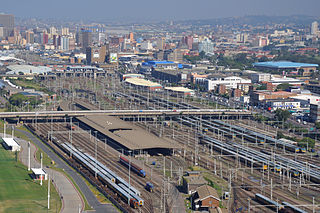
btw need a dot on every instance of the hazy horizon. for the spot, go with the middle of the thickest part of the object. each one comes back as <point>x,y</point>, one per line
<point>162,10</point>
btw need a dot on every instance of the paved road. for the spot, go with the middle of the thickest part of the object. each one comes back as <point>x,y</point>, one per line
<point>72,200</point>
<point>92,200</point>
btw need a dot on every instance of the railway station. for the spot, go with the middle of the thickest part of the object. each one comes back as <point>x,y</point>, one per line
<point>125,136</point>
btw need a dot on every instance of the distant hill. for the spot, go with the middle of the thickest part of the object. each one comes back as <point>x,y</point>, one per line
<point>296,20</point>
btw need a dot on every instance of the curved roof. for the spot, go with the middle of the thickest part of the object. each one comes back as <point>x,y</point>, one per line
<point>27,69</point>
<point>142,82</point>
<point>283,64</point>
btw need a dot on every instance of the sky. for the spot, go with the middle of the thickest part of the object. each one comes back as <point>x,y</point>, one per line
<point>156,10</point>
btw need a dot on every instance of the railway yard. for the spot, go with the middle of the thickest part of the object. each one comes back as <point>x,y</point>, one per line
<point>261,173</point>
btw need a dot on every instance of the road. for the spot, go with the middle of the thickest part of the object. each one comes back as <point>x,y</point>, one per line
<point>90,197</point>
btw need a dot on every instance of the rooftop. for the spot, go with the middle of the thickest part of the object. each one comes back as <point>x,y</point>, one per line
<point>283,64</point>
<point>38,171</point>
<point>206,191</point>
<point>179,89</point>
<point>27,69</point>
<point>10,142</point>
<point>142,82</point>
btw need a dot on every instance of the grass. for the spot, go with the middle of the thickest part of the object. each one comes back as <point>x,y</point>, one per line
<point>46,159</point>
<point>19,192</point>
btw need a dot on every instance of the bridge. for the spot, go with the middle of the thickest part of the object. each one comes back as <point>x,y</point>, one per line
<point>79,113</point>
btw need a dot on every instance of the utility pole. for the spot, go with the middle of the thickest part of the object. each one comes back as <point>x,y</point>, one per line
<point>29,160</point>
<point>49,191</point>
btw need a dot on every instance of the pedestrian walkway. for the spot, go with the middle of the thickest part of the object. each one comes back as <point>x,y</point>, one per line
<point>72,202</point>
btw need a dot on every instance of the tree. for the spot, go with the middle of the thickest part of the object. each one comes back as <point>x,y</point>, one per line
<point>17,99</point>
<point>284,86</point>
<point>282,115</point>
<point>307,142</point>
<point>317,124</point>
<point>262,87</point>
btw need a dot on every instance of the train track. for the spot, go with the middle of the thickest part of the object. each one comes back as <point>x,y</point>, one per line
<point>80,141</point>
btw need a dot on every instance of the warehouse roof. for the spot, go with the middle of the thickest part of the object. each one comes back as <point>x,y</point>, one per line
<point>283,64</point>
<point>142,82</point>
<point>179,89</point>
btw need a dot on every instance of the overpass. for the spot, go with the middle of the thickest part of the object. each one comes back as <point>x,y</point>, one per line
<point>79,113</point>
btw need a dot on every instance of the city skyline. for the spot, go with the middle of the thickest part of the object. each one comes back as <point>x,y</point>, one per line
<point>159,11</point>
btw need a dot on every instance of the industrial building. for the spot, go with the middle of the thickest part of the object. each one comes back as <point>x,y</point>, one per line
<point>144,84</point>
<point>229,82</point>
<point>171,76</point>
<point>287,66</point>
<point>257,97</point>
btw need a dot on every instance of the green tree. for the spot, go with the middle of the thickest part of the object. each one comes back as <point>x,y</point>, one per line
<point>284,86</point>
<point>317,124</point>
<point>307,142</point>
<point>282,115</point>
<point>17,99</point>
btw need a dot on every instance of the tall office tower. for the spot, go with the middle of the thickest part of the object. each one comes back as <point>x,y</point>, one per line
<point>65,31</point>
<point>7,22</point>
<point>161,43</point>
<point>52,31</point>
<point>86,39</point>
<point>30,37</point>
<point>314,28</point>
<point>131,37</point>
<point>188,40</point>
<point>64,43</point>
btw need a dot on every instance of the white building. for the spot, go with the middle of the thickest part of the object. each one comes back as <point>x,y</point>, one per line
<point>259,77</point>
<point>206,46</point>
<point>11,144</point>
<point>147,45</point>
<point>230,82</point>
<point>314,28</point>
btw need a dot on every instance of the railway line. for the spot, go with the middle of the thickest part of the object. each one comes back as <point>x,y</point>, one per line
<point>108,158</point>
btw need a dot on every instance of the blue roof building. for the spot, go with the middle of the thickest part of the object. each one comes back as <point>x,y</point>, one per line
<point>164,64</point>
<point>283,65</point>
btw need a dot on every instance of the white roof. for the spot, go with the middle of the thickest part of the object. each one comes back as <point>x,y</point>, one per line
<point>142,82</point>
<point>15,69</point>
<point>179,89</point>
<point>10,142</point>
<point>38,171</point>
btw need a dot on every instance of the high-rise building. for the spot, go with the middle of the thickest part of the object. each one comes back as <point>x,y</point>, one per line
<point>64,43</point>
<point>65,31</point>
<point>86,39</point>
<point>7,22</point>
<point>188,40</point>
<point>131,37</point>
<point>206,46</point>
<point>314,28</point>
<point>30,37</point>
<point>161,43</point>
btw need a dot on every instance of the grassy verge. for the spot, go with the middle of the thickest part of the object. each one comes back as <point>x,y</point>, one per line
<point>19,192</point>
